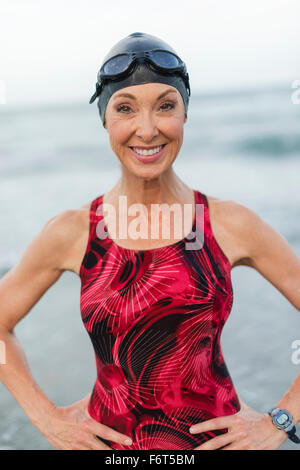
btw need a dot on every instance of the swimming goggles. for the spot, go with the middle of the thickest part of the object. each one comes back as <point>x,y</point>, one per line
<point>122,65</point>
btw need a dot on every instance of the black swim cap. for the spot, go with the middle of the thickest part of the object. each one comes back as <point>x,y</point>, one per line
<point>142,72</point>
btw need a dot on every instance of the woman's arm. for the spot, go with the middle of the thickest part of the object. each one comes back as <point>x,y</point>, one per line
<point>20,289</point>
<point>267,251</point>
<point>271,255</point>
<point>291,400</point>
<point>49,254</point>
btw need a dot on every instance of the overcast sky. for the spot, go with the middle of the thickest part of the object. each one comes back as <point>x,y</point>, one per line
<point>51,49</point>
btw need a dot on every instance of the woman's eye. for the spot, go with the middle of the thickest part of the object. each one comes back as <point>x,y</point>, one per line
<point>122,106</point>
<point>172,106</point>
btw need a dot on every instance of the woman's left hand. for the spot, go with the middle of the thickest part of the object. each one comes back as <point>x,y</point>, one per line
<point>247,430</point>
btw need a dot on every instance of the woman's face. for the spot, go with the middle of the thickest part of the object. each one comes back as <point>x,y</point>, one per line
<point>144,118</point>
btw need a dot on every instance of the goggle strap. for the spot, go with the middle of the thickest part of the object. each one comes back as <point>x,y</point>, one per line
<point>97,92</point>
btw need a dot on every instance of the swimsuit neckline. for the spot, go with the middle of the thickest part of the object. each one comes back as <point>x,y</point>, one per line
<point>179,242</point>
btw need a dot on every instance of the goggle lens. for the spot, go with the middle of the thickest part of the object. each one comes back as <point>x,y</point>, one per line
<point>165,59</point>
<point>117,65</point>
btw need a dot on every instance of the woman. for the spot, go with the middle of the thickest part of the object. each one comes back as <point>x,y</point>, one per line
<point>154,307</point>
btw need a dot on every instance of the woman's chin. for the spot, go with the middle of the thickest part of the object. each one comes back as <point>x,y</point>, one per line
<point>147,171</point>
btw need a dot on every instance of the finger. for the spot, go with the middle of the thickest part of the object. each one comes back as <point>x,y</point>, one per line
<point>218,441</point>
<point>214,423</point>
<point>95,443</point>
<point>82,447</point>
<point>79,446</point>
<point>72,445</point>
<point>238,445</point>
<point>92,442</point>
<point>108,433</point>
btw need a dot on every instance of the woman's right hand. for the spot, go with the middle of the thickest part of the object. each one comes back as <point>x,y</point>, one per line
<point>72,428</point>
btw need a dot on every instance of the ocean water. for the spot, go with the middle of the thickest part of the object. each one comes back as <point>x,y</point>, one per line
<point>242,145</point>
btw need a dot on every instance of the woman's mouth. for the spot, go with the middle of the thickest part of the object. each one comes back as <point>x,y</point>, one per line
<point>147,156</point>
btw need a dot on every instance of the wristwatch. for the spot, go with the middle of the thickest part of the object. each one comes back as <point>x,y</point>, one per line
<point>283,420</point>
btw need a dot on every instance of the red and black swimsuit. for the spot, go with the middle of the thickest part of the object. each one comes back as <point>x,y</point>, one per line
<point>155,319</point>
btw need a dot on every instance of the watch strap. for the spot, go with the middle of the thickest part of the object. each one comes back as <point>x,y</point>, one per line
<point>292,435</point>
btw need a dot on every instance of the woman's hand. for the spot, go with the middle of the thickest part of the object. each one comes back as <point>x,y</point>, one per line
<point>247,430</point>
<point>72,428</point>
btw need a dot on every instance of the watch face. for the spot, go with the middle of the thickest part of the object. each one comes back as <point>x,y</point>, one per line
<point>283,418</point>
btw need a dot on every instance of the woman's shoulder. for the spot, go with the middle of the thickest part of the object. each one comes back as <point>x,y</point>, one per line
<point>233,224</point>
<point>65,232</point>
<point>232,212</point>
<point>67,223</point>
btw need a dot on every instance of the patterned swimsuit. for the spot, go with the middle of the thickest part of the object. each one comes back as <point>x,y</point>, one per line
<point>155,319</point>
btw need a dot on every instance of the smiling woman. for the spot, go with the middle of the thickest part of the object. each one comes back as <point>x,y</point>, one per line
<point>168,104</point>
<point>154,307</point>
<point>133,123</point>
<point>156,311</point>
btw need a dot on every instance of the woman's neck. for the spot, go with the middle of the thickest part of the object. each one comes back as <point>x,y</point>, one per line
<point>168,188</point>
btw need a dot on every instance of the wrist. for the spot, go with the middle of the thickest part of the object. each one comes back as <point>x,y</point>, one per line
<point>39,409</point>
<point>291,400</point>
<point>287,404</point>
<point>278,434</point>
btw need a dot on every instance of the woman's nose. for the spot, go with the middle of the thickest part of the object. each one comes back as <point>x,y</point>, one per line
<point>146,126</point>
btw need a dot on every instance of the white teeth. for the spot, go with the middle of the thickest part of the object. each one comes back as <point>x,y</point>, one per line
<point>148,152</point>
